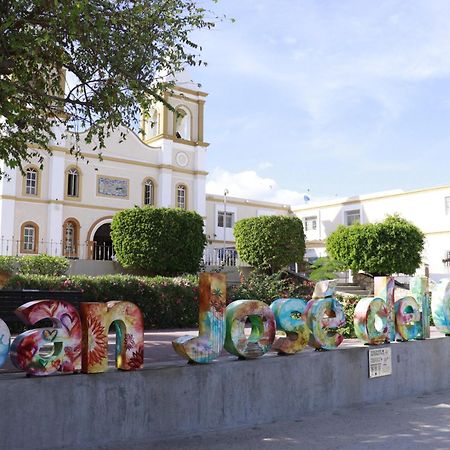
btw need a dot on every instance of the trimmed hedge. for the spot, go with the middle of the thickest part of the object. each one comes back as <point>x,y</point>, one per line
<point>164,302</point>
<point>34,264</point>
<point>173,302</point>
<point>270,243</point>
<point>158,241</point>
<point>392,246</point>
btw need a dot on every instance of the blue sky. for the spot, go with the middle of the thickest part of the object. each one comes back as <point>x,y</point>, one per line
<point>330,97</point>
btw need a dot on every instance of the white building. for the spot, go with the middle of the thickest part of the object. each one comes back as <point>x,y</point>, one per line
<point>67,207</point>
<point>428,208</point>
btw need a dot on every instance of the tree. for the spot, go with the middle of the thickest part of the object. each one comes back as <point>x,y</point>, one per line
<point>392,246</point>
<point>325,268</point>
<point>121,56</point>
<point>158,241</point>
<point>269,243</point>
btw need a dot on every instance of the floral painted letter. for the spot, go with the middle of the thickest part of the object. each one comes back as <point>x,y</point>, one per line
<point>263,328</point>
<point>129,324</point>
<point>289,317</point>
<point>370,321</point>
<point>5,336</point>
<point>44,351</point>
<point>211,322</point>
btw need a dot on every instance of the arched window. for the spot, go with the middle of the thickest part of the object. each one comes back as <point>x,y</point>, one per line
<point>73,183</point>
<point>29,233</point>
<point>71,229</point>
<point>183,124</point>
<point>152,124</point>
<point>181,196</point>
<point>31,181</point>
<point>149,192</point>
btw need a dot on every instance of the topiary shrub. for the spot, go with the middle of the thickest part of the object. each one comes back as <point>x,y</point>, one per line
<point>392,246</point>
<point>162,241</point>
<point>270,243</point>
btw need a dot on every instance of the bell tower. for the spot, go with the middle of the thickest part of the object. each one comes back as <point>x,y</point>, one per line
<point>179,133</point>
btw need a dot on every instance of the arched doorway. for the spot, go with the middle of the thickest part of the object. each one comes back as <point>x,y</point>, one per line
<point>103,248</point>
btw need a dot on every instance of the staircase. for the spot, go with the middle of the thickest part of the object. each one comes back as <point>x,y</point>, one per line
<point>352,289</point>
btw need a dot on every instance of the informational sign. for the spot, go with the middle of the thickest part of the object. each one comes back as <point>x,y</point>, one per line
<point>115,187</point>
<point>380,362</point>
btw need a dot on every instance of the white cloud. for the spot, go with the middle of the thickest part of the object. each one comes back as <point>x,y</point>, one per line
<point>249,185</point>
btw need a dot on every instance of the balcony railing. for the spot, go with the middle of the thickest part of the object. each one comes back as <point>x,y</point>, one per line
<point>220,257</point>
<point>85,250</point>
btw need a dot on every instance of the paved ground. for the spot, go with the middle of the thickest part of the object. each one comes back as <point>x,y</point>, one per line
<point>411,423</point>
<point>158,347</point>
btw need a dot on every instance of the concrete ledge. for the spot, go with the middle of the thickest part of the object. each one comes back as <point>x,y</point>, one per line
<point>82,411</point>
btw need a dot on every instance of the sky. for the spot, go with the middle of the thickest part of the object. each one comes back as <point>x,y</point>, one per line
<point>326,97</point>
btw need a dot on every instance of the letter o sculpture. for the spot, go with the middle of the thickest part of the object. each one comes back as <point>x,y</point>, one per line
<point>366,312</point>
<point>263,328</point>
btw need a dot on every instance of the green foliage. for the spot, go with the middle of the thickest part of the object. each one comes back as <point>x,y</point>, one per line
<point>270,243</point>
<point>34,264</point>
<point>325,269</point>
<point>164,302</point>
<point>267,288</point>
<point>8,264</point>
<point>42,265</point>
<point>348,303</point>
<point>392,246</point>
<point>163,241</point>
<point>117,52</point>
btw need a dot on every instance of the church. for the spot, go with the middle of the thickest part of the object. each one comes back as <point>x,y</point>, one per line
<point>66,208</point>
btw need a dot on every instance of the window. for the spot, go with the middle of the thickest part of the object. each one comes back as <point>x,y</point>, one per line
<point>73,183</point>
<point>149,192</point>
<point>310,223</point>
<point>229,219</point>
<point>71,230</point>
<point>152,124</point>
<point>181,196</point>
<point>31,181</point>
<point>29,237</point>
<point>352,216</point>
<point>447,205</point>
<point>183,124</point>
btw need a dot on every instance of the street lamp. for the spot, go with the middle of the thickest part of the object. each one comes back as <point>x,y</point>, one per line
<point>225,193</point>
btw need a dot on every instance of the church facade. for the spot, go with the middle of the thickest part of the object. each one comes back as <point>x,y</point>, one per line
<point>66,207</point>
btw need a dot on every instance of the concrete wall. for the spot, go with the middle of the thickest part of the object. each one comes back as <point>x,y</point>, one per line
<point>84,411</point>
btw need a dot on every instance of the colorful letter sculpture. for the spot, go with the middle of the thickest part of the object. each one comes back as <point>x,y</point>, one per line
<point>5,337</point>
<point>209,343</point>
<point>440,306</point>
<point>263,328</point>
<point>370,321</point>
<point>420,291</point>
<point>407,318</point>
<point>290,317</point>
<point>44,351</point>
<point>323,317</point>
<point>384,289</point>
<point>129,325</point>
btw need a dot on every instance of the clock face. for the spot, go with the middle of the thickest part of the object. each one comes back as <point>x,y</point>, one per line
<point>182,159</point>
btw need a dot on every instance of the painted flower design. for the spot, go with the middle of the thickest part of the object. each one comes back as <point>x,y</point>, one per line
<point>137,360</point>
<point>217,302</point>
<point>98,341</point>
<point>129,341</point>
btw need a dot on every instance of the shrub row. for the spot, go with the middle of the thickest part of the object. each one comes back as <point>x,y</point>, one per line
<point>164,302</point>
<point>34,265</point>
<point>173,302</point>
